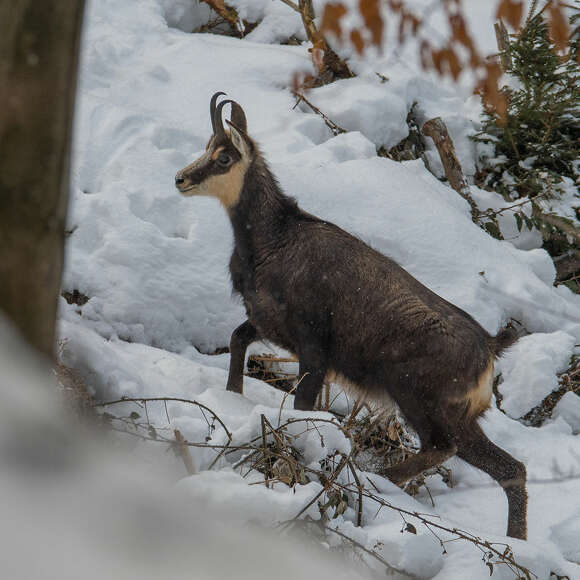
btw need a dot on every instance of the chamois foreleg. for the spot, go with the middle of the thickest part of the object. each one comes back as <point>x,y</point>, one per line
<point>475,448</point>
<point>242,337</point>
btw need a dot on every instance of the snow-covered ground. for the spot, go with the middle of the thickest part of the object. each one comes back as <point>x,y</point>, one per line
<point>154,265</point>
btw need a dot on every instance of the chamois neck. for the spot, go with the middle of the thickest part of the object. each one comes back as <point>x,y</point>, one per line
<point>262,211</point>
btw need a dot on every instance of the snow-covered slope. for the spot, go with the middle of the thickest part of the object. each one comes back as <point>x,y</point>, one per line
<point>154,264</point>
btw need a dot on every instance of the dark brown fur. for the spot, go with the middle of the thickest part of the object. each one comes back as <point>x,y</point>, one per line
<point>343,308</point>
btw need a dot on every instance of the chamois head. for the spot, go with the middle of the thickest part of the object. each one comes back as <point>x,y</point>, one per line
<point>220,171</point>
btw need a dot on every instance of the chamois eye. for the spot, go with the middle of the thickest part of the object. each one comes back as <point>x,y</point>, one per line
<point>224,159</point>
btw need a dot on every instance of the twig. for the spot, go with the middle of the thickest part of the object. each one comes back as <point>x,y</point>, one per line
<point>334,128</point>
<point>265,358</point>
<point>357,407</point>
<point>531,13</point>
<point>264,445</point>
<point>292,5</point>
<point>481,544</point>
<point>281,444</point>
<point>360,494</point>
<point>329,482</point>
<point>492,213</point>
<point>366,550</point>
<point>165,399</point>
<point>286,395</point>
<point>159,439</point>
<point>144,400</point>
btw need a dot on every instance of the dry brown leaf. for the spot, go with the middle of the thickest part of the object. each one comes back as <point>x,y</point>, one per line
<point>371,12</point>
<point>415,23</point>
<point>511,11</point>
<point>558,27</point>
<point>357,39</point>
<point>395,5</point>
<point>459,30</point>
<point>447,61</point>
<point>489,88</point>
<point>331,18</point>
<point>408,21</point>
<point>437,58</point>
<point>454,64</point>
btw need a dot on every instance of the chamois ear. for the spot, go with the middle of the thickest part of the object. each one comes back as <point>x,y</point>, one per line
<point>240,140</point>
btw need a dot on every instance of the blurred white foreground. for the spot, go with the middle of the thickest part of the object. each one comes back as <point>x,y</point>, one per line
<point>74,508</point>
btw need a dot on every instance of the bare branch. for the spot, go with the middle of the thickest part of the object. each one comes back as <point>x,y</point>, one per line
<point>336,129</point>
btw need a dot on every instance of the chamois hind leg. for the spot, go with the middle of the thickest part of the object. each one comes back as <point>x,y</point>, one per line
<point>242,337</point>
<point>475,448</point>
<point>437,444</point>
<point>312,370</point>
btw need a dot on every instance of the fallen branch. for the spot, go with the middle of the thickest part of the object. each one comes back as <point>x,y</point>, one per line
<point>436,129</point>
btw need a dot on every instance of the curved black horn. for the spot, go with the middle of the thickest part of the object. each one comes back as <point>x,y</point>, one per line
<point>217,117</point>
<point>212,105</point>
<point>219,123</point>
<point>239,117</point>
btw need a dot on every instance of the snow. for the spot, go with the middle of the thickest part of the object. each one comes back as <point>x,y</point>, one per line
<point>154,266</point>
<point>565,535</point>
<point>568,408</point>
<point>529,370</point>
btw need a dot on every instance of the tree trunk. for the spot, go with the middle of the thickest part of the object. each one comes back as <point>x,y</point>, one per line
<point>39,44</point>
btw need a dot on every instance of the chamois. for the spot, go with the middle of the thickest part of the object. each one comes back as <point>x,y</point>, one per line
<point>350,313</point>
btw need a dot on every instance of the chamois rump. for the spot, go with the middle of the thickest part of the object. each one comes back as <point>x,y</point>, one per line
<point>350,313</point>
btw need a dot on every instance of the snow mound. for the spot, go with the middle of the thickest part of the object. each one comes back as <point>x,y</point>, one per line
<point>529,370</point>
<point>568,408</point>
<point>566,536</point>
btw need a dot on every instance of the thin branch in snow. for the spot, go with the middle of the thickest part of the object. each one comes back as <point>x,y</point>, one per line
<point>334,127</point>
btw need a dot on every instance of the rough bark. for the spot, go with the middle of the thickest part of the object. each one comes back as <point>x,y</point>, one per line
<point>436,129</point>
<point>39,43</point>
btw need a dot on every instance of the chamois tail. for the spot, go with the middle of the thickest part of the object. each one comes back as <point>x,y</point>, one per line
<point>504,339</point>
